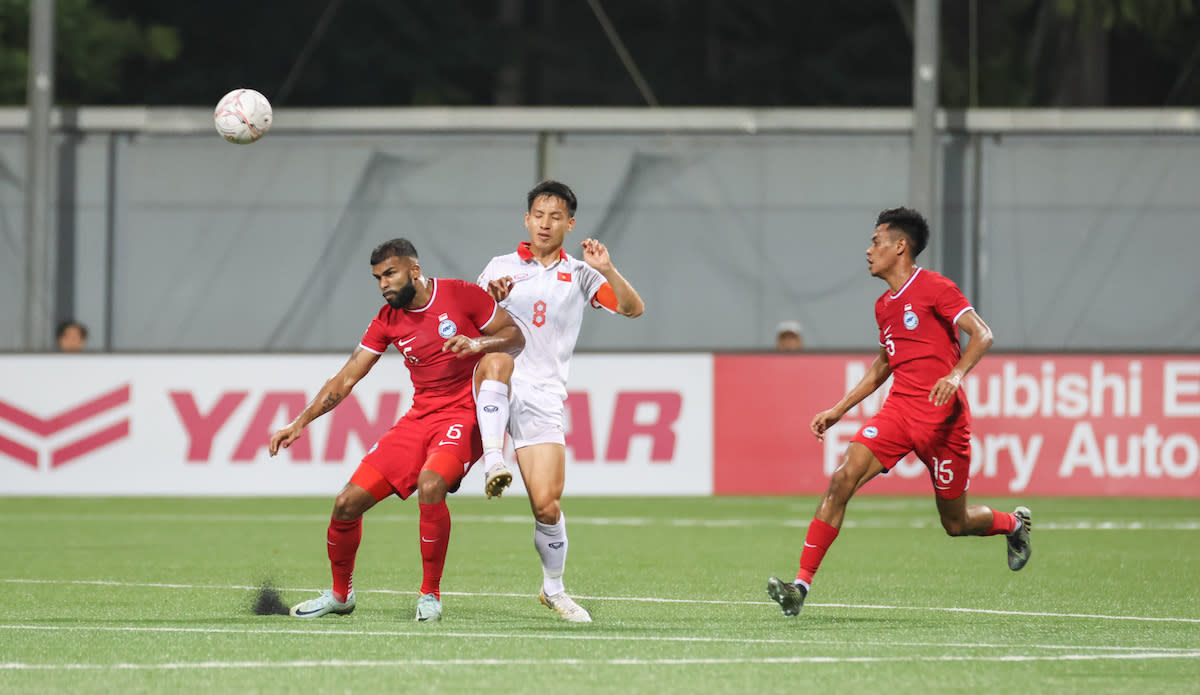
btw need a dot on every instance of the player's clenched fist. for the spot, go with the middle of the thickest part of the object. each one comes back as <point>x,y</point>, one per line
<point>822,421</point>
<point>500,287</point>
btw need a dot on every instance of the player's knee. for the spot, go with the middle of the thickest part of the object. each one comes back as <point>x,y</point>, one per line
<point>431,489</point>
<point>347,506</point>
<point>954,527</point>
<point>842,484</point>
<point>497,366</point>
<point>546,511</point>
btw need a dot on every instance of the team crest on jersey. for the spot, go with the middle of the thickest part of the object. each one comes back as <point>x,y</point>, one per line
<point>910,318</point>
<point>446,327</point>
<point>870,432</point>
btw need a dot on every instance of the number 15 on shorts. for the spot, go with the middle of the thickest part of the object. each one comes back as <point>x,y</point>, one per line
<point>943,474</point>
<point>453,434</point>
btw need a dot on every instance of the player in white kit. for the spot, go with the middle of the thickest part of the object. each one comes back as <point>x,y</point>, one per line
<point>546,290</point>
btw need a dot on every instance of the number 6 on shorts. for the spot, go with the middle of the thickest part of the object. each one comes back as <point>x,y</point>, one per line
<point>453,434</point>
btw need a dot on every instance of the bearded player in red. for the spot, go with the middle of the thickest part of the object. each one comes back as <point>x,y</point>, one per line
<point>453,337</point>
<point>926,411</point>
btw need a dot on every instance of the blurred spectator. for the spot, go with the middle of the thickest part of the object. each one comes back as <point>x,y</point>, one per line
<point>789,336</point>
<point>72,336</point>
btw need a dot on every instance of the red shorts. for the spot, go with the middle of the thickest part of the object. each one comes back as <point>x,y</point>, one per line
<point>401,453</point>
<point>941,437</point>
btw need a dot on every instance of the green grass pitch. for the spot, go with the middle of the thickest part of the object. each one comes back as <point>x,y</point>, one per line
<point>153,595</point>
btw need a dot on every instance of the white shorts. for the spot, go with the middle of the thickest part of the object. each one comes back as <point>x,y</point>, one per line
<point>535,416</point>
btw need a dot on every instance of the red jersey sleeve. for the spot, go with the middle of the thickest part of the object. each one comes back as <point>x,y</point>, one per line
<point>477,304</point>
<point>879,317</point>
<point>377,337</point>
<point>949,301</point>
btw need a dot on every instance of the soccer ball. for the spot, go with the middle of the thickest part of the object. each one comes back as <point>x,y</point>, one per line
<point>243,116</point>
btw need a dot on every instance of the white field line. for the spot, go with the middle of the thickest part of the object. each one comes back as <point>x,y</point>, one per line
<point>931,522</point>
<point>568,636</point>
<point>642,599</point>
<point>334,663</point>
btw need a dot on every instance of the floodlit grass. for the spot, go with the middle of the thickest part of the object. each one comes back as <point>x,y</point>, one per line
<point>154,595</point>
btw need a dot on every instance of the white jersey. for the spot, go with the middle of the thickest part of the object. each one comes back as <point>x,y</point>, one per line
<point>547,302</point>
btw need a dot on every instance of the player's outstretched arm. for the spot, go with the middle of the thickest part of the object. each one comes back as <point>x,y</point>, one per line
<point>979,341</point>
<point>873,379</point>
<point>629,302</point>
<point>332,393</point>
<point>500,335</point>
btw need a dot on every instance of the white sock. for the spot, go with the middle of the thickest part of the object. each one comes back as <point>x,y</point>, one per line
<point>551,543</point>
<point>491,407</point>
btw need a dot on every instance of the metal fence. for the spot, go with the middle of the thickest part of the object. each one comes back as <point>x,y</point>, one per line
<point>1069,230</point>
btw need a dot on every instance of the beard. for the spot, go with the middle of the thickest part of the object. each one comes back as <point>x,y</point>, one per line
<point>403,296</point>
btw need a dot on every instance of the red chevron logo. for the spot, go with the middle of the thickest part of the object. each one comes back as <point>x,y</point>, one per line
<point>45,427</point>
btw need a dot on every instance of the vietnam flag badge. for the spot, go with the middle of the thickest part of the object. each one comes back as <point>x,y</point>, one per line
<point>564,277</point>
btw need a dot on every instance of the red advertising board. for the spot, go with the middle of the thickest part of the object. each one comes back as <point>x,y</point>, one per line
<point>1109,425</point>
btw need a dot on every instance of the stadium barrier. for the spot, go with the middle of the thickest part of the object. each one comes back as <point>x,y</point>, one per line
<point>1050,424</point>
<point>638,424</point>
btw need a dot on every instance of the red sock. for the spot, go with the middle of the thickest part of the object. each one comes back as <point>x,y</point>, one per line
<point>435,541</point>
<point>818,539</point>
<point>342,542</point>
<point>1002,522</point>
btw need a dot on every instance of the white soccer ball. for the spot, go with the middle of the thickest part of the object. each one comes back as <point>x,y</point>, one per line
<point>243,116</point>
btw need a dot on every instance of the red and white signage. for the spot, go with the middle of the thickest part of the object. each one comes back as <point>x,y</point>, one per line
<point>637,424</point>
<point>1043,425</point>
<point>199,425</point>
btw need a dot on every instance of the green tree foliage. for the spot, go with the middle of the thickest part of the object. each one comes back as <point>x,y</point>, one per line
<point>92,50</point>
<point>555,53</point>
<point>1157,19</point>
<point>1071,53</point>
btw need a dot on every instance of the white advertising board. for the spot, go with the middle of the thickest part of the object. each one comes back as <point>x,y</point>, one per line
<point>199,425</point>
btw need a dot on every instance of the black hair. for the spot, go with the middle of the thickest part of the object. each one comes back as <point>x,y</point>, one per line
<point>393,247</point>
<point>555,189</point>
<point>62,328</point>
<point>908,222</point>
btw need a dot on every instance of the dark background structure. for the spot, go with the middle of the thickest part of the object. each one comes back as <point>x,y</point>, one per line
<point>1006,53</point>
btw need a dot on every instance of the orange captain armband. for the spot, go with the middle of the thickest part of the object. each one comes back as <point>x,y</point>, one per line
<point>605,297</point>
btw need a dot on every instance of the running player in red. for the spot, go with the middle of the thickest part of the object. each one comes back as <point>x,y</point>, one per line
<point>919,317</point>
<point>453,337</point>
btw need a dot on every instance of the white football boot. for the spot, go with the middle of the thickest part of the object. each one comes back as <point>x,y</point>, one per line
<point>569,610</point>
<point>323,605</point>
<point>498,478</point>
<point>429,609</point>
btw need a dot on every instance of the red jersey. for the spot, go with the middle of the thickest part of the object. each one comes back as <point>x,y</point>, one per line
<point>917,328</point>
<point>438,378</point>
